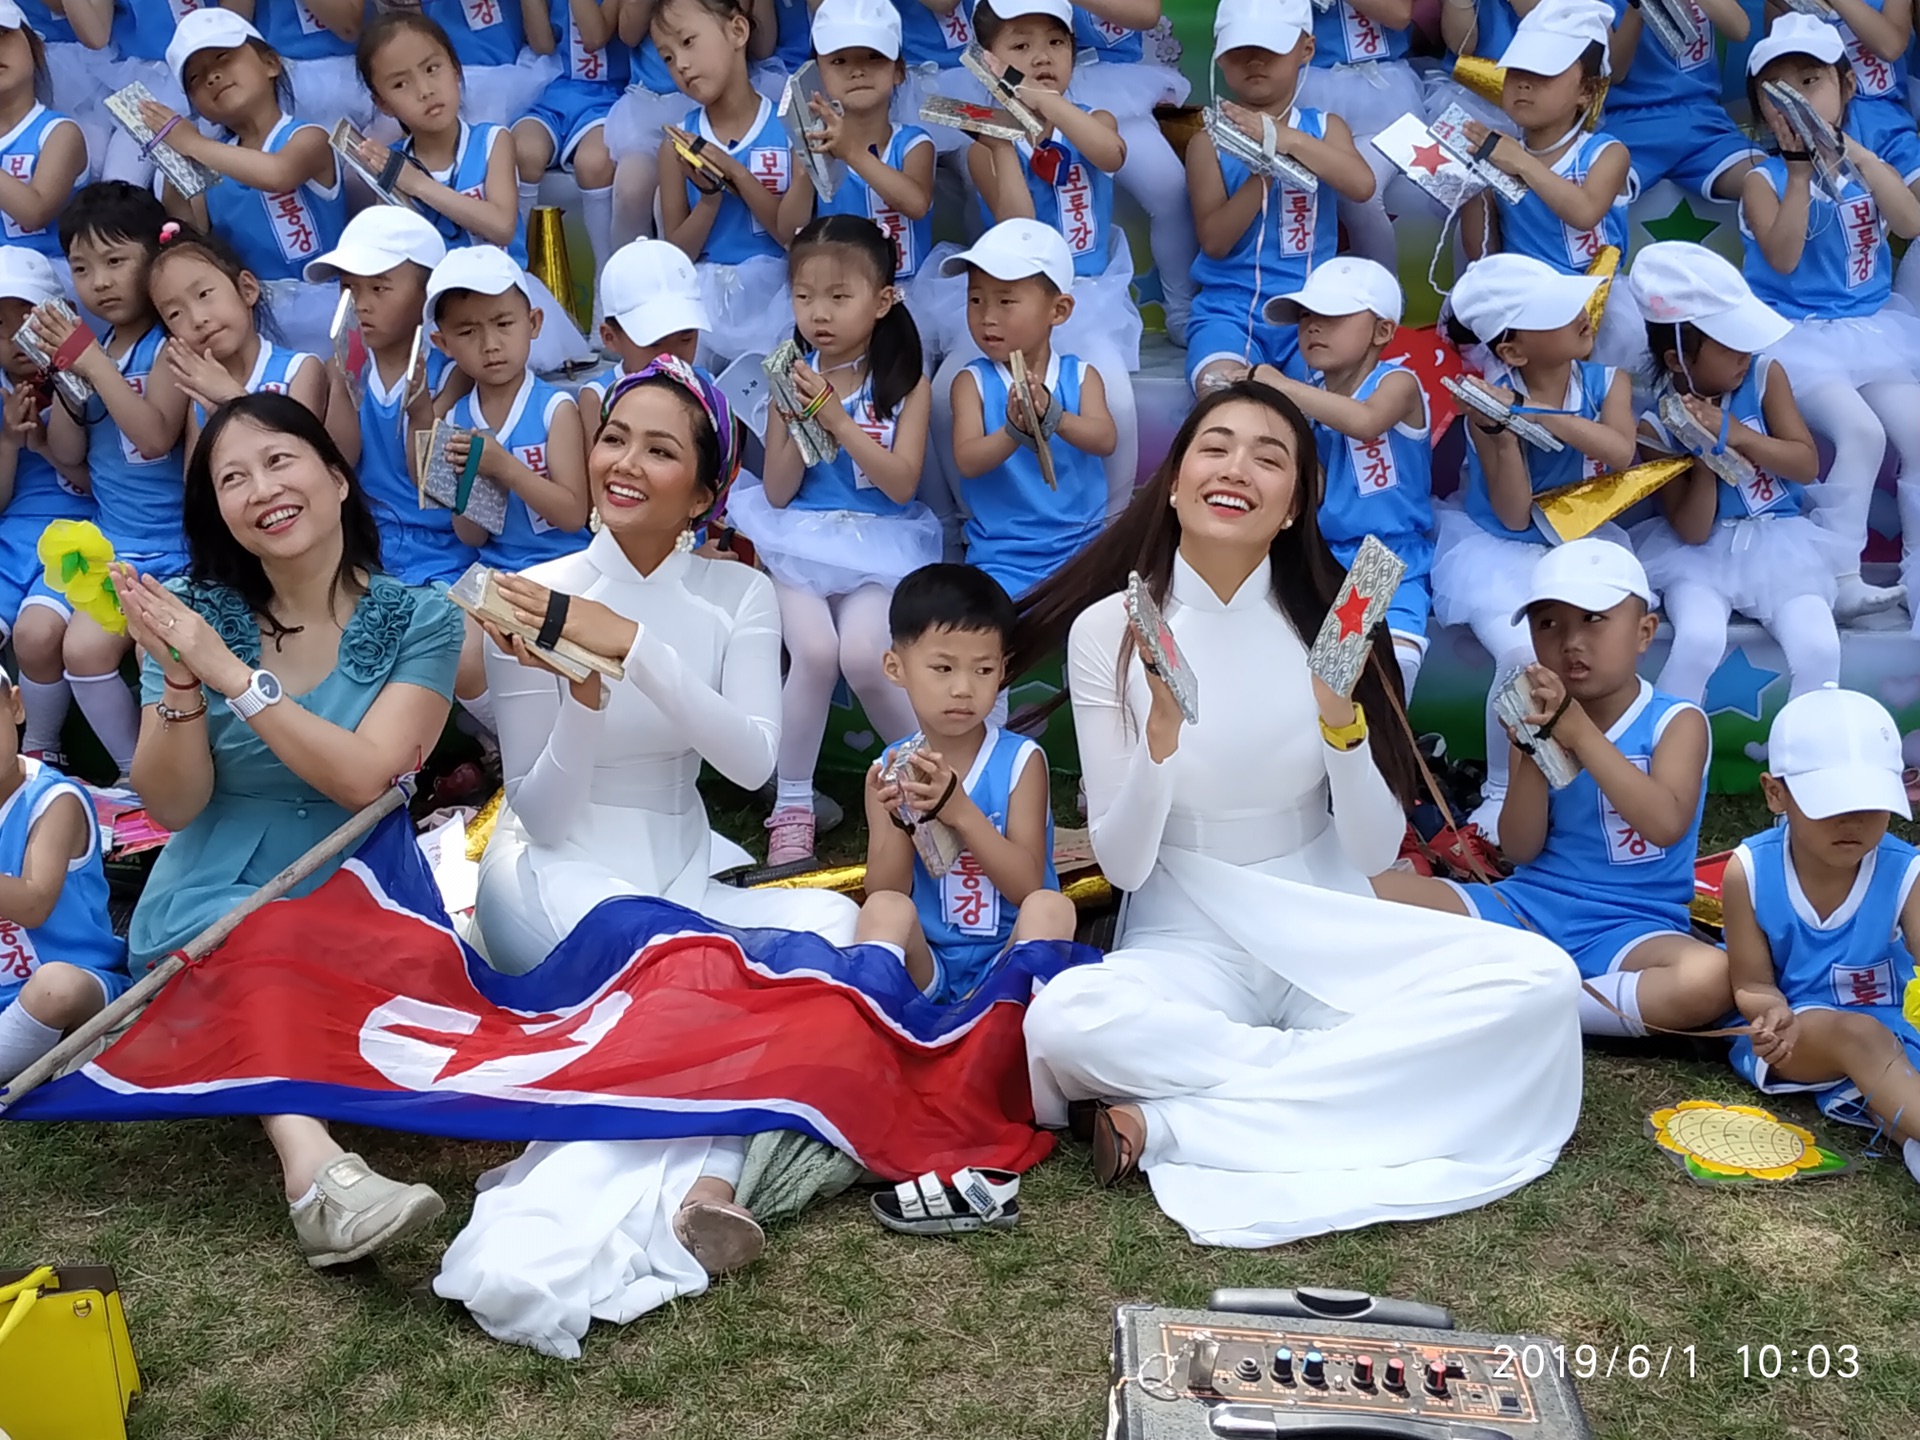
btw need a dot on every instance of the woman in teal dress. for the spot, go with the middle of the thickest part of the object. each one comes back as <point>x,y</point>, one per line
<point>286,682</point>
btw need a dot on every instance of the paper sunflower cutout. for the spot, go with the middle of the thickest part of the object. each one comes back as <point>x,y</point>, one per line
<point>1717,1144</point>
<point>75,556</point>
<point>1911,1008</point>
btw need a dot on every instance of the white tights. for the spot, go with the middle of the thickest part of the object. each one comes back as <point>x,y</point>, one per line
<point>1860,423</point>
<point>1155,178</point>
<point>1511,647</point>
<point>1802,626</point>
<point>827,637</point>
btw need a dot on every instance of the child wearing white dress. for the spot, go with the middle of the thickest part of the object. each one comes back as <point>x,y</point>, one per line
<point>1720,546</point>
<point>1532,321</point>
<point>1826,266</point>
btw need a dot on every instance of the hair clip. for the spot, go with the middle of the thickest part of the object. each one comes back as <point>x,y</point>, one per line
<point>170,231</point>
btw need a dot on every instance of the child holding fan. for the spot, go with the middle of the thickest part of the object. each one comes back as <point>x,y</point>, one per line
<point>1826,266</point>
<point>1532,321</point>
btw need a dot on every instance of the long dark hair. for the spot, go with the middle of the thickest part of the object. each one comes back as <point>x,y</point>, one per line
<point>1306,577</point>
<point>895,358</point>
<point>216,557</point>
<point>389,23</point>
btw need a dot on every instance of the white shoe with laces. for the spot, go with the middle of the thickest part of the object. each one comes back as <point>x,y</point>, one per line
<point>1910,1152</point>
<point>357,1211</point>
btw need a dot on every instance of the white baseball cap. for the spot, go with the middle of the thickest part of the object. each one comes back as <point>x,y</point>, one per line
<point>27,274</point>
<point>1345,285</point>
<point>1797,34</point>
<point>1594,574</point>
<point>1556,33</point>
<point>1675,282</point>
<point>1016,250</point>
<point>650,289</point>
<point>857,25</point>
<point>375,241</point>
<point>1506,292</point>
<point>12,17</point>
<point>1274,25</point>
<point>484,269</point>
<point>1061,10</point>
<point>209,29</point>
<point>1838,751</point>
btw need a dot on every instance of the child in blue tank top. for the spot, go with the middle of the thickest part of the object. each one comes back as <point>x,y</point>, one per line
<point>1371,428</point>
<point>383,260</point>
<point>128,42</point>
<point>60,961</point>
<point>1825,265</point>
<point>725,213</point>
<point>1666,109</point>
<point>489,38</point>
<point>280,199</point>
<point>1822,921</point>
<point>838,536</point>
<point>128,442</point>
<point>43,154</point>
<point>1578,179</point>
<point>1722,546</point>
<point>950,626</point>
<point>1530,324</point>
<point>1875,36</point>
<point>1259,240</point>
<point>1603,867</point>
<point>316,37</point>
<point>1020,529</point>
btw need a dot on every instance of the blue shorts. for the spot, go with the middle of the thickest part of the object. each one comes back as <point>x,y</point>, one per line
<point>1597,936</point>
<point>165,566</point>
<point>414,555</point>
<point>961,969</point>
<point>113,983</point>
<point>1886,127</point>
<point>1689,144</point>
<point>20,564</point>
<point>1217,329</point>
<point>568,110</point>
<point>1839,1100</point>
<point>1407,613</point>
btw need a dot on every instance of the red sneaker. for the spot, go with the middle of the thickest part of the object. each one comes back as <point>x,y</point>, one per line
<point>1467,854</point>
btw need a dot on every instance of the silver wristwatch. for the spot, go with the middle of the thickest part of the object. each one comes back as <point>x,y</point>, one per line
<point>262,690</point>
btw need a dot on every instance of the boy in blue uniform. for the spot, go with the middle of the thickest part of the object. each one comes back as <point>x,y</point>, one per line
<point>60,961</point>
<point>1822,917</point>
<point>1605,865</point>
<point>1666,108</point>
<point>951,624</point>
<point>1370,426</point>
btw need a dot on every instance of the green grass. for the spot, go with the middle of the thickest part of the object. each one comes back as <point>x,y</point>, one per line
<point>847,1331</point>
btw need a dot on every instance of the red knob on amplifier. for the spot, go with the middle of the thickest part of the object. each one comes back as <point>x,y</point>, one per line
<point>1396,1373</point>
<point>1363,1371</point>
<point>1437,1379</point>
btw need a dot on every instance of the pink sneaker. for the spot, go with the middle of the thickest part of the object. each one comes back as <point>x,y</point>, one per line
<point>792,842</point>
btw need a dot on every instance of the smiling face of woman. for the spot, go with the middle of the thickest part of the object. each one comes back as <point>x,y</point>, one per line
<point>1238,483</point>
<point>278,497</point>
<point>645,465</point>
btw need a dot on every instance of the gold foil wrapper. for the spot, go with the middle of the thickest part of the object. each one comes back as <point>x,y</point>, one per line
<point>547,258</point>
<point>1584,506</point>
<point>1606,265</point>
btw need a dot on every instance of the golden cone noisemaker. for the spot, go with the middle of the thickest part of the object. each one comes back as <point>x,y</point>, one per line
<point>1487,79</point>
<point>1584,506</point>
<point>547,258</point>
<point>1606,265</point>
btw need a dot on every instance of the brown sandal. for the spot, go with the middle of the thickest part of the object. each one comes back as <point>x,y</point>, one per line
<point>1114,1157</point>
<point>723,1238</point>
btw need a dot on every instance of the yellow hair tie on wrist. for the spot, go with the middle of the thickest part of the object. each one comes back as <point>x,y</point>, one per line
<point>75,556</point>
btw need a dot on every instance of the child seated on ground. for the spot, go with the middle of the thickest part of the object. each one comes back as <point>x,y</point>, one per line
<point>1822,918</point>
<point>1019,528</point>
<point>1605,866</point>
<point>60,961</point>
<point>951,624</point>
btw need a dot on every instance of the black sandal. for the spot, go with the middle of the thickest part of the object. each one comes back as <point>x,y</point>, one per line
<point>1114,1158</point>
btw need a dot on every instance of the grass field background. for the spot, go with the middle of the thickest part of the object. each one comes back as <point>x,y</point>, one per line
<point>848,1331</point>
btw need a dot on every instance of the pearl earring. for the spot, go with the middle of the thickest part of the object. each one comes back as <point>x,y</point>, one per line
<point>684,541</point>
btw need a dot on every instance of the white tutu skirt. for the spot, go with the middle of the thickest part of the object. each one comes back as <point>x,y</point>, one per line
<point>303,313</point>
<point>1368,97</point>
<point>834,552</point>
<point>501,94</point>
<point>1756,564</point>
<point>1856,351</point>
<point>1442,91</point>
<point>749,307</point>
<point>1476,572</point>
<point>1126,89</point>
<point>637,123</point>
<point>938,304</point>
<point>926,81</point>
<point>327,89</point>
<point>1104,319</point>
<point>560,342</point>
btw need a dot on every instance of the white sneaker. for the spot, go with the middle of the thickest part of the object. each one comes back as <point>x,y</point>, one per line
<point>1486,815</point>
<point>1856,598</point>
<point>1910,1152</point>
<point>358,1211</point>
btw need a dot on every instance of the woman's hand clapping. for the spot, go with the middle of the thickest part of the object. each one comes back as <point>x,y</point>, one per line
<point>182,643</point>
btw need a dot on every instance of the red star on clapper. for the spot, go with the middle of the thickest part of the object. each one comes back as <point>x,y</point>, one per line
<point>1430,158</point>
<point>1352,613</point>
<point>497,1037</point>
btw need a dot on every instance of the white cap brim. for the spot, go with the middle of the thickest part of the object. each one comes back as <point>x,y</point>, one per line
<point>1823,45</point>
<point>831,37</point>
<point>1750,327</point>
<point>1274,35</point>
<point>1002,265</point>
<point>1287,309</point>
<point>1543,52</point>
<point>653,322</point>
<point>1847,789</point>
<point>351,259</point>
<point>1594,596</point>
<point>1554,301</point>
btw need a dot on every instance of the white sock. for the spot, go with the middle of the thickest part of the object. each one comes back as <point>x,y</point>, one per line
<point>1622,989</point>
<point>480,707</point>
<point>112,712</point>
<point>1910,1152</point>
<point>529,197</point>
<point>596,208</point>
<point>47,706</point>
<point>311,1197</point>
<point>23,1040</point>
<point>798,793</point>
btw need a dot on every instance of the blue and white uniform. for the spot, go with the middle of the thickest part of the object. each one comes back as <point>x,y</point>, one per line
<point>1075,196</point>
<point>1837,295</point>
<point>20,148</point>
<point>274,369</point>
<point>742,268</point>
<point>1111,70</point>
<point>840,531</point>
<point>793,34</point>
<point>1359,72</point>
<point>912,239</point>
<point>78,931</point>
<point>468,175</point>
<point>1878,116</point>
<point>40,496</point>
<point>527,539</point>
<point>1529,227</point>
<point>930,47</point>
<point>1017,529</point>
<point>320,64</point>
<point>1854,960</point>
<point>1296,231</point>
<point>636,125</point>
<point>967,922</point>
<point>142,31</point>
<point>576,104</point>
<point>1599,888</point>
<point>502,76</point>
<point>1667,111</point>
<point>276,235</point>
<point>418,545</point>
<point>1383,487</point>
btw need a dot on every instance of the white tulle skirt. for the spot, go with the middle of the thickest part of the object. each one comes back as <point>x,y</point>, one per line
<point>834,552</point>
<point>1442,91</point>
<point>1756,563</point>
<point>922,83</point>
<point>303,313</point>
<point>1104,318</point>
<point>1368,97</point>
<point>938,304</point>
<point>560,342</point>
<point>503,93</point>
<point>1126,89</point>
<point>1857,350</point>
<point>637,123</point>
<point>327,88</point>
<point>748,304</point>
<point>1476,572</point>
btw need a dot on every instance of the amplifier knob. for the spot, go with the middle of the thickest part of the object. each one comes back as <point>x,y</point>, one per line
<point>1363,1371</point>
<point>1396,1373</point>
<point>1283,1365</point>
<point>1437,1379</point>
<point>1314,1369</point>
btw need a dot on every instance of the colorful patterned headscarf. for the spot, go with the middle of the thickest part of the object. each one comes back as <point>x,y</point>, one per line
<point>711,399</point>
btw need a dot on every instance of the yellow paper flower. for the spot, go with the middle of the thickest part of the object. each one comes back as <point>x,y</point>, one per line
<point>1911,1008</point>
<point>1737,1142</point>
<point>75,556</point>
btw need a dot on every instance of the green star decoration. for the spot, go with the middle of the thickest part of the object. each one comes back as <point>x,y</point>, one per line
<point>1680,223</point>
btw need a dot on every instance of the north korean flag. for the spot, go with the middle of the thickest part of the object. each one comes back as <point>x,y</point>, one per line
<point>359,1003</point>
